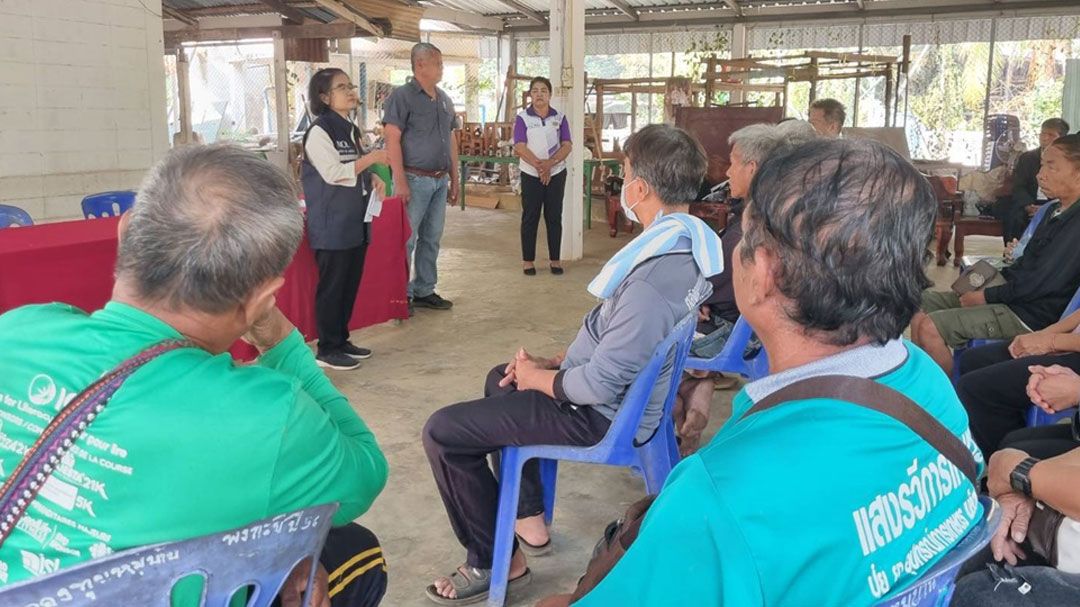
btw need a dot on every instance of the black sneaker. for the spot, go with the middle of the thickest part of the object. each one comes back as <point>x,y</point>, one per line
<point>433,301</point>
<point>356,351</point>
<point>337,360</point>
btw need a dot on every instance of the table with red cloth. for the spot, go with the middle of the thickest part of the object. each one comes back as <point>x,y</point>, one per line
<point>73,261</point>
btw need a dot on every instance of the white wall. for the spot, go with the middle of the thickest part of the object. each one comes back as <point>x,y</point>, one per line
<point>82,100</point>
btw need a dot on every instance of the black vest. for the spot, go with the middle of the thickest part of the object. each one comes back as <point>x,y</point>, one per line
<point>335,213</point>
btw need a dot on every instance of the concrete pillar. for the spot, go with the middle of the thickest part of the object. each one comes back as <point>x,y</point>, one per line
<point>738,51</point>
<point>567,46</point>
<point>281,105</point>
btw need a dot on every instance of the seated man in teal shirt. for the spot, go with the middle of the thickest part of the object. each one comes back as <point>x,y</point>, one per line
<point>192,443</point>
<point>815,502</point>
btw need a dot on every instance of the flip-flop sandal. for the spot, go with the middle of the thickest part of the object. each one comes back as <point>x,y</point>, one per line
<point>472,586</point>
<point>534,549</point>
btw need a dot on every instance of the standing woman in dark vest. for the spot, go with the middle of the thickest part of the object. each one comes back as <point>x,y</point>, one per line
<point>337,186</point>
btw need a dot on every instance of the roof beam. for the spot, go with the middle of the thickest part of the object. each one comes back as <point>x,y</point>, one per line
<point>349,13</point>
<point>311,30</point>
<point>172,13</point>
<point>285,10</point>
<point>463,18</point>
<point>719,13</point>
<point>524,10</point>
<point>734,5</point>
<point>862,4</point>
<point>624,8</point>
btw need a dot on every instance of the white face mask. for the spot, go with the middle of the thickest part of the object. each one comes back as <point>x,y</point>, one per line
<point>627,209</point>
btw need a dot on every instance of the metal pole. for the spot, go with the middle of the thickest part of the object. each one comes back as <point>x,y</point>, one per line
<point>281,96</point>
<point>858,85</point>
<point>989,82</point>
<point>650,75</point>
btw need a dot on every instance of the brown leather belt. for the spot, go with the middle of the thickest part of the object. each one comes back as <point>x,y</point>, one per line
<point>425,172</point>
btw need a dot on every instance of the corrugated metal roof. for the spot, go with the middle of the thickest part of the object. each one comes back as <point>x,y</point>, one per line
<point>244,7</point>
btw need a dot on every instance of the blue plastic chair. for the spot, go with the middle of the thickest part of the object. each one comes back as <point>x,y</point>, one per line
<point>730,359</point>
<point>654,459</point>
<point>1038,417</point>
<point>969,260</point>
<point>258,557</point>
<point>107,204</point>
<point>14,216</point>
<point>1029,231</point>
<point>935,588</point>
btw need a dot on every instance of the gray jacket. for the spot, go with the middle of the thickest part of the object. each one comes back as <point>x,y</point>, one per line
<point>618,337</point>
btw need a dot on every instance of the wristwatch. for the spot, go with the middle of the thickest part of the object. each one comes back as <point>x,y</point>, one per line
<point>1020,478</point>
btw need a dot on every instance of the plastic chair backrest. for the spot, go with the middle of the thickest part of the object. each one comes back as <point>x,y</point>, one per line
<point>107,204</point>
<point>14,216</point>
<point>260,556</point>
<point>935,587</point>
<point>730,359</point>
<point>625,425</point>
<point>1074,305</point>
<point>1029,231</point>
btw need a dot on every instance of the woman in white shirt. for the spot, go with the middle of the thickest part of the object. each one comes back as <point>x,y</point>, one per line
<point>337,186</point>
<point>542,142</point>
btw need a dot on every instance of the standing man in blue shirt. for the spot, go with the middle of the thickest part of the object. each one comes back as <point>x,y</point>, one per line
<point>422,149</point>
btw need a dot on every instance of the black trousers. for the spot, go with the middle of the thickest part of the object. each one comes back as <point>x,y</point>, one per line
<point>1013,216</point>
<point>459,438</point>
<point>536,196</point>
<point>339,280</point>
<point>354,559</point>
<point>993,388</point>
<point>1042,442</point>
<point>355,563</point>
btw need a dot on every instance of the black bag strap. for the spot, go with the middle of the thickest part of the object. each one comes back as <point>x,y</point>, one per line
<point>883,399</point>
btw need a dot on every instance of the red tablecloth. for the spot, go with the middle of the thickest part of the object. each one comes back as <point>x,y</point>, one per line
<point>73,262</point>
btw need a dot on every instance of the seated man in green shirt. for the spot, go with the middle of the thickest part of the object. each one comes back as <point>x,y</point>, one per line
<point>815,502</point>
<point>192,443</point>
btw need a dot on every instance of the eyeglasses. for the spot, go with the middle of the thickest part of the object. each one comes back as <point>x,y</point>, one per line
<point>345,88</point>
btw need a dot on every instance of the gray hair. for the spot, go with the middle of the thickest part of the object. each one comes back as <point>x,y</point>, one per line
<point>422,50</point>
<point>759,142</point>
<point>670,160</point>
<point>209,225</point>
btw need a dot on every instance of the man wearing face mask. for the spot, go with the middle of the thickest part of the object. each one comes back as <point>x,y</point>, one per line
<point>570,399</point>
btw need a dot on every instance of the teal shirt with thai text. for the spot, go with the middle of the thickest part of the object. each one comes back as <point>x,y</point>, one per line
<point>811,503</point>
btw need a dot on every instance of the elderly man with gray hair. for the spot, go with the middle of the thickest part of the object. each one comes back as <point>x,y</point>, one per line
<point>423,152</point>
<point>191,443</point>
<point>751,146</point>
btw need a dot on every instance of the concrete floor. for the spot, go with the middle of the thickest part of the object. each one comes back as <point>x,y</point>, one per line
<point>438,358</point>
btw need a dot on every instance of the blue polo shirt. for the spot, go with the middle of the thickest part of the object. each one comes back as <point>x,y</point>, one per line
<point>817,502</point>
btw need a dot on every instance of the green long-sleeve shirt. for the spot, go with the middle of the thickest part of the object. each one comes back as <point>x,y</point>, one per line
<point>191,443</point>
